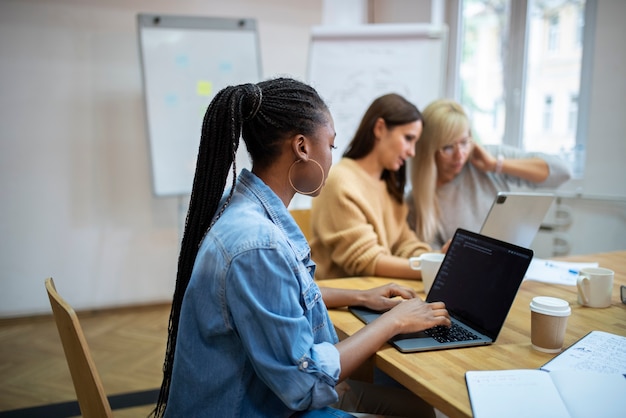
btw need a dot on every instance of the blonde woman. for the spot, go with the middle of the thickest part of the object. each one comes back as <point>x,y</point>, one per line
<point>455,179</point>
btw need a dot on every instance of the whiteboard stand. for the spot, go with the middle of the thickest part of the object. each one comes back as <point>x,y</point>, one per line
<point>185,61</point>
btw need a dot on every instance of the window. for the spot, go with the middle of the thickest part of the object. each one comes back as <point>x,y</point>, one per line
<point>481,75</point>
<point>580,26</point>
<point>553,33</point>
<point>573,113</point>
<point>547,114</point>
<point>520,66</point>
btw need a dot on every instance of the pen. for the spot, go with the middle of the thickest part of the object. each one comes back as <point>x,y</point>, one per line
<point>571,271</point>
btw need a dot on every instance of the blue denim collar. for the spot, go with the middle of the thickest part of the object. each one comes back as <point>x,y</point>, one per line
<point>253,187</point>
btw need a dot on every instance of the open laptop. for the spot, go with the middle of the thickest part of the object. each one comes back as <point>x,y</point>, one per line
<point>478,280</point>
<point>515,217</point>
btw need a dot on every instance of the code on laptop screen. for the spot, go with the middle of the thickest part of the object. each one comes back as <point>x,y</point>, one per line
<point>479,278</point>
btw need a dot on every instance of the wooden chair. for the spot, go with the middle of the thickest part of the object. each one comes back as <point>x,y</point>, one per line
<point>303,219</point>
<point>92,399</point>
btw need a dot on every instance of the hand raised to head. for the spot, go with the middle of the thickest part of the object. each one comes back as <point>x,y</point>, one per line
<point>482,159</point>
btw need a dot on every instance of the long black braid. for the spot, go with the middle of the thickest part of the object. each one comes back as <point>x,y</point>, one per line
<point>264,114</point>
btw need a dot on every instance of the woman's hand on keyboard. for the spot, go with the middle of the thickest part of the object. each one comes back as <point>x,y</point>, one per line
<point>416,315</point>
<point>385,297</point>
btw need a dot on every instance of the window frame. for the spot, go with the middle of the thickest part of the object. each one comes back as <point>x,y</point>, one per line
<point>516,66</point>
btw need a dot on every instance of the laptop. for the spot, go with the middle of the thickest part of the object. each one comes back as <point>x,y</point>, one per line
<point>516,217</point>
<point>478,280</point>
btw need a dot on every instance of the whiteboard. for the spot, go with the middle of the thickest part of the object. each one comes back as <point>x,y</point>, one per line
<point>185,61</point>
<point>351,66</point>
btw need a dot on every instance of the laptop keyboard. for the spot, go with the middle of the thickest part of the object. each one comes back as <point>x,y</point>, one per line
<point>454,333</point>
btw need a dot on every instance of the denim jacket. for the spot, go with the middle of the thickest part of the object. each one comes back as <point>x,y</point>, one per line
<point>254,338</point>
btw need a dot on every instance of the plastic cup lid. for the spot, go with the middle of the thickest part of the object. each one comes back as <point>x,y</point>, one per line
<point>550,306</point>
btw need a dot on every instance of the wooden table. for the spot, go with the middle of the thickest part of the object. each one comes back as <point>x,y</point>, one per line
<point>439,376</point>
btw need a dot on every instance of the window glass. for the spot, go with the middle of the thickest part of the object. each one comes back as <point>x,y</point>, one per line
<point>553,76</point>
<point>573,113</point>
<point>547,114</point>
<point>484,29</point>
<point>553,32</point>
<point>519,73</point>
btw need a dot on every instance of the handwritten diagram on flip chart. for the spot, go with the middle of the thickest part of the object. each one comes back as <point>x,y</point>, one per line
<point>185,61</point>
<point>351,66</point>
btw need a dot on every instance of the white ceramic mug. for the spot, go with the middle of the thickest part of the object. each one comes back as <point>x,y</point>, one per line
<point>595,286</point>
<point>429,264</point>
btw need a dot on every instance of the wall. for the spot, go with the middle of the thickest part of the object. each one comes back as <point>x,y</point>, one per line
<point>385,11</point>
<point>74,165</point>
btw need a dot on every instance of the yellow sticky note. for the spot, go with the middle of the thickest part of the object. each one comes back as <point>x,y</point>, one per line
<point>204,88</point>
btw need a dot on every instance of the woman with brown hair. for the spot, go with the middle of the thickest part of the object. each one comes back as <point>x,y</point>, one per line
<point>359,219</point>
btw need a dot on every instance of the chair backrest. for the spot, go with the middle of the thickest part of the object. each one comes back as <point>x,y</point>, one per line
<point>303,219</point>
<point>92,399</point>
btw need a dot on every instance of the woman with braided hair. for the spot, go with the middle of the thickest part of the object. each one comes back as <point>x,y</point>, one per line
<point>249,332</point>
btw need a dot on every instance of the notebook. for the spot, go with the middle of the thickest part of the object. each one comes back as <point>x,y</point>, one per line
<point>515,217</point>
<point>478,280</point>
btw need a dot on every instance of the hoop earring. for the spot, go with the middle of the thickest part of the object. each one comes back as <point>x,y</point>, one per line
<point>300,191</point>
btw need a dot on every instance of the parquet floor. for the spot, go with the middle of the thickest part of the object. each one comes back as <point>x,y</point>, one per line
<point>127,346</point>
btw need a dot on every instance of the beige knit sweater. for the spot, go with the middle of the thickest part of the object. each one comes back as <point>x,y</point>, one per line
<point>354,221</point>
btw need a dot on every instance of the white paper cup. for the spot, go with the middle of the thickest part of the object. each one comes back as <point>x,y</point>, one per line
<point>548,322</point>
<point>429,264</point>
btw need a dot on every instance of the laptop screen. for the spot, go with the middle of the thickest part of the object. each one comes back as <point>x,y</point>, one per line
<point>479,278</point>
<point>516,217</point>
